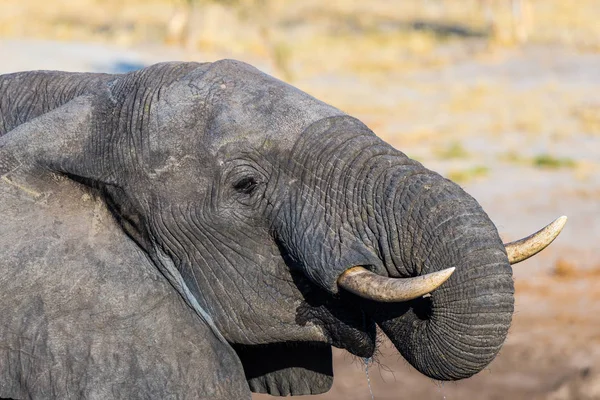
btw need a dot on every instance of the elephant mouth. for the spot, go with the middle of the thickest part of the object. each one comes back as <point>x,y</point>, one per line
<point>348,319</point>
<point>367,295</point>
<point>359,342</point>
<point>343,319</point>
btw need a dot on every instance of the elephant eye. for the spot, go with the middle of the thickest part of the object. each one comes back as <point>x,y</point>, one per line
<point>246,185</point>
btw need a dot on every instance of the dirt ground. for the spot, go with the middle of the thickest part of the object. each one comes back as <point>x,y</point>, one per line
<point>515,120</point>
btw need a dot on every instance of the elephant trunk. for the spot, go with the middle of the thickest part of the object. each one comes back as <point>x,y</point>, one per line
<point>367,204</point>
<point>431,224</point>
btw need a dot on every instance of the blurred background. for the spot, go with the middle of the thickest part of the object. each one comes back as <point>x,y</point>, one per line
<point>501,96</point>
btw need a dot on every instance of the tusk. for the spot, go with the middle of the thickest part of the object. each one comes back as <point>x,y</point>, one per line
<point>369,285</point>
<point>520,250</point>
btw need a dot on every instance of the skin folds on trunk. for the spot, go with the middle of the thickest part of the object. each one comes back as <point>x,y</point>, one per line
<point>384,211</point>
<point>433,224</point>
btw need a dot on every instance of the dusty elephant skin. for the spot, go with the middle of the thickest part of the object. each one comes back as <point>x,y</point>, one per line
<point>179,232</point>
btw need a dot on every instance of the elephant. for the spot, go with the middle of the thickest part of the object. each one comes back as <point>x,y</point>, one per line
<point>204,230</point>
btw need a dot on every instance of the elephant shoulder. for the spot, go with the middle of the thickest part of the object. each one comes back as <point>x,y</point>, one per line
<point>83,310</point>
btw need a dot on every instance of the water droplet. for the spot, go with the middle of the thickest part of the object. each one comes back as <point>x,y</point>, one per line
<point>440,387</point>
<point>368,360</point>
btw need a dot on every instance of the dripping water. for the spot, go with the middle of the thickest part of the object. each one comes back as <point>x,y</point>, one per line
<point>367,361</point>
<point>440,387</point>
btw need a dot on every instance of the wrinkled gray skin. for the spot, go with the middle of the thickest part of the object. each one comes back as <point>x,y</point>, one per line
<point>177,232</point>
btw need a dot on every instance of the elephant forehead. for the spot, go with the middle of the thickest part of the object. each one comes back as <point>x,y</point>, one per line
<point>245,104</point>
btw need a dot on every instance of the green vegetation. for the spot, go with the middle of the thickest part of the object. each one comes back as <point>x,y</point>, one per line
<point>549,161</point>
<point>467,175</point>
<point>454,150</point>
<point>543,160</point>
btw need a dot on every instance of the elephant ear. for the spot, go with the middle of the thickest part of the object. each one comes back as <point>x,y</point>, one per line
<point>287,369</point>
<point>54,141</point>
<point>83,311</point>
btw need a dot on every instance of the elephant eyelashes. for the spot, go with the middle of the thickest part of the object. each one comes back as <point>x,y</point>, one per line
<point>246,185</point>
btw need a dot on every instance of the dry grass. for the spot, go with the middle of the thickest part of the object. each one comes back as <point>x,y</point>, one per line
<point>588,117</point>
<point>532,112</point>
<point>388,36</point>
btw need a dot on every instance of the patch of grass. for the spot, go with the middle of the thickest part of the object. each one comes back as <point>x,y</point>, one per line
<point>543,160</point>
<point>423,24</point>
<point>549,161</point>
<point>454,150</point>
<point>467,175</point>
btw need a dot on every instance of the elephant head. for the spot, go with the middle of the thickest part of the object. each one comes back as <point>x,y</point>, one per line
<point>285,225</point>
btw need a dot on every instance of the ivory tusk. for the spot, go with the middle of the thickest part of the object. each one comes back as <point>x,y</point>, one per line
<point>522,249</point>
<point>369,285</point>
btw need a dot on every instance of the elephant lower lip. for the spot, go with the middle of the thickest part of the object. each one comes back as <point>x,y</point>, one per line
<point>341,318</point>
<point>359,342</point>
<point>364,350</point>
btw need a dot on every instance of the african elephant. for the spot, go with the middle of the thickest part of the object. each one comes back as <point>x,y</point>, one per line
<point>204,230</point>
